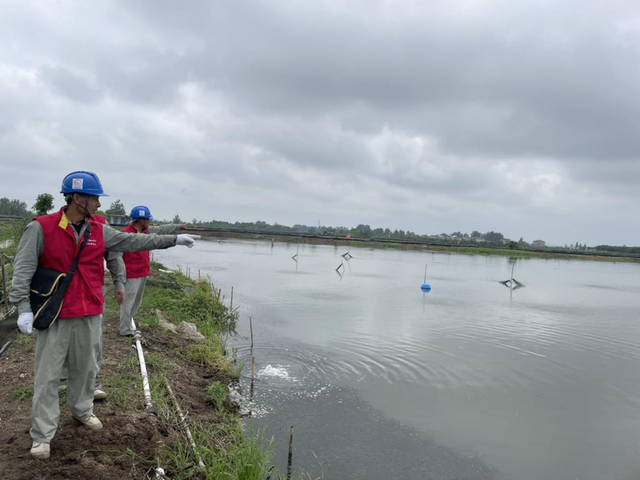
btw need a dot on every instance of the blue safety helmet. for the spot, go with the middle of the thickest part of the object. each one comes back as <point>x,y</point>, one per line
<point>82,182</point>
<point>140,212</point>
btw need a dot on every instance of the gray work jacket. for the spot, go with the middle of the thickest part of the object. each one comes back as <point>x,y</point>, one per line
<point>115,259</point>
<point>32,244</point>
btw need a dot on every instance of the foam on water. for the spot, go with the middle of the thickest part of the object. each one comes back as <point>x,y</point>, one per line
<point>271,371</point>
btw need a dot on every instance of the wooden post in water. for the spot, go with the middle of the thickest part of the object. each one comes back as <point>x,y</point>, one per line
<point>251,330</point>
<point>425,273</point>
<point>290,459</point>
<point>198,274</point>
<point>253,374</point>
<point>231,304</point>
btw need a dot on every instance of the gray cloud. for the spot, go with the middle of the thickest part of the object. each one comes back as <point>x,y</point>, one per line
<point>491,115</point>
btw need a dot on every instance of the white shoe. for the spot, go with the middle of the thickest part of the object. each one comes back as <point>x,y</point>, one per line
<point>40,451</point>
<point>99,395</point>
<point>92,423</point>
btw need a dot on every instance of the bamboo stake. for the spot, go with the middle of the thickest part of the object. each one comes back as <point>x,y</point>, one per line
<point>230,313</point>
<point>290,459</point>
<point>253,367</point>
<point>231,304</point>
<point>186,427</point>
<point>251,330</point>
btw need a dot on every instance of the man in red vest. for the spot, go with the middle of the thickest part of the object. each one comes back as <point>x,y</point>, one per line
<point>53,242</point>
<point>138,267</point>
<point>115,265</point>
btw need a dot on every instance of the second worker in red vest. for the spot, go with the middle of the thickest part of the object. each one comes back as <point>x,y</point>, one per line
<point>138,267</point>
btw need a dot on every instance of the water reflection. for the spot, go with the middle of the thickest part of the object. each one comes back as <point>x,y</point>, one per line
<point>539,384</point>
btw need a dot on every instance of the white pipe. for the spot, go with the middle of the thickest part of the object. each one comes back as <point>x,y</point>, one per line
<point>160,475</point>
<point>148,404</point>
<point>143,370</point>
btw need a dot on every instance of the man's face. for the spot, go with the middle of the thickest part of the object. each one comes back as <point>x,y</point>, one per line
<point>144,223</point>
<point>91,202</point>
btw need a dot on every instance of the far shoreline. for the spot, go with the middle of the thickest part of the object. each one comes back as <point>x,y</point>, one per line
<point>400,245</point>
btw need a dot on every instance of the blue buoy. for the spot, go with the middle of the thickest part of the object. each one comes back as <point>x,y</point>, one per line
<point>425,286</point>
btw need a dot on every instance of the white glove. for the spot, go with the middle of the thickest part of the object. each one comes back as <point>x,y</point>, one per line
<point>25,322</point>
<point>186,240</point>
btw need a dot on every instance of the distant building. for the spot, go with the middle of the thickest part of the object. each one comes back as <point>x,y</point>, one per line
<point>118,220</point>
<point>538,243</point>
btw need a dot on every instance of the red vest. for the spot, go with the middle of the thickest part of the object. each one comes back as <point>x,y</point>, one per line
<point>84,294</point>
<point>137,263</point>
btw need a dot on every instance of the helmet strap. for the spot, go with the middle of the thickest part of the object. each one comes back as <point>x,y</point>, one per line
<point>84,208</point>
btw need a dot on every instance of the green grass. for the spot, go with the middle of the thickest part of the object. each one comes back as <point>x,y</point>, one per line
<point>226,451</point>
<point>156,363</point>
<point>25,342</point>
<point>215,394</point>
<point>22,394</point>
<point>10,234</point>
<point>124,386</point>
<point>193,303</point>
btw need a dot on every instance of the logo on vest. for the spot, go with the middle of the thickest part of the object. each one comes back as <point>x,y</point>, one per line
<point>92,242</point>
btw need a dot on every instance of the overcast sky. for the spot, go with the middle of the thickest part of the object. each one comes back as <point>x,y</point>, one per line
<point>521,117</point>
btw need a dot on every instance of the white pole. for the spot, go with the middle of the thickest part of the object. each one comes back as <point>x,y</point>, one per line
<point>511,281</point>
<point>143,370</point>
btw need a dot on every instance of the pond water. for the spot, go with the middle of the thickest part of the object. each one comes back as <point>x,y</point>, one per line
<point>470,380</point>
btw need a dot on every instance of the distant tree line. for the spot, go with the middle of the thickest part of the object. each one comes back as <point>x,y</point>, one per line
<point>613,249</point>
<point>44,203</point>
<point>361,231</point>
<point>14,208</point>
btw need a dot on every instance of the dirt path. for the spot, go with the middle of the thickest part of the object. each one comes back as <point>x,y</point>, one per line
<point>132,437</point>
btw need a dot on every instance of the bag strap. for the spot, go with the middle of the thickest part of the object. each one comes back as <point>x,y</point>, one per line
<point>72,270</point>
<point>74,266</point>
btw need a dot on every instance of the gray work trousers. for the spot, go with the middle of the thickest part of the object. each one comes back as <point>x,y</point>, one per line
<point>65,373</point>
<point>77,341</point>
<point>133,292</point>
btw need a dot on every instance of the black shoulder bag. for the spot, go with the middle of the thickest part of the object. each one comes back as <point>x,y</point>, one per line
<point>48,288</point>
